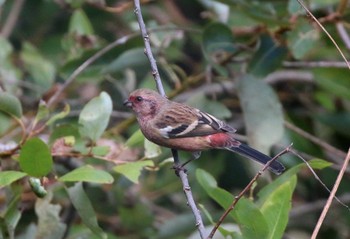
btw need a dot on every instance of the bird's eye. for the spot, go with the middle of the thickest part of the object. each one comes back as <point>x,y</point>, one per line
<point>139,98</point>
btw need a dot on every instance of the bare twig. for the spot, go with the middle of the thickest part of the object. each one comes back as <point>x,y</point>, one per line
<point>325,31</point>
<point>313,64</point>
<point>245,190</point>
<point>12,18</point>
<point>319,142</point>
<point>318,178</point>
<point>331,196</point>
<point>180,170</point>
<point>148,50</point>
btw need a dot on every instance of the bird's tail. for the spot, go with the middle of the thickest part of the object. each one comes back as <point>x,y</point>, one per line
<point>244,150</point>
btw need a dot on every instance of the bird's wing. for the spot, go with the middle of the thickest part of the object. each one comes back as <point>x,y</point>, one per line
<point>179,121</point>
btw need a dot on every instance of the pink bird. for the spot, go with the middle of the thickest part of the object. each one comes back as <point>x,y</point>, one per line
<point>181,127</point>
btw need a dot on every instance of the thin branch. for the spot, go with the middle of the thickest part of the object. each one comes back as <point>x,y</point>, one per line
<point>12,18</point>
<point>325,31</point>
<point>331,196</point>
<point>245,190</point>
<point>313,64</point>
<point>179,170</point>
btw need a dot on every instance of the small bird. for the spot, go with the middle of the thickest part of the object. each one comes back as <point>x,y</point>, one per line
<point>181,127</point>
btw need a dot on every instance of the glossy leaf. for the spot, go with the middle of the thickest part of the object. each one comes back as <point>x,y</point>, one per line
<point>87,174</point>
<point>268,57</point>
<point>84,208</point>
<point>94,117</point>
<point>8,177</point>
<point>263,113</point>
<point>35,158</point>
<point>133,170</point>
<point>10,104</point>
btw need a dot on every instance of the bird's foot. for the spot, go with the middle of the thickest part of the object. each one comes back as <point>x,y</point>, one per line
<point>179,168</point>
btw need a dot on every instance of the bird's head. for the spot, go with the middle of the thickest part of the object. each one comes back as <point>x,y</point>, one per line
<point>145,102</point>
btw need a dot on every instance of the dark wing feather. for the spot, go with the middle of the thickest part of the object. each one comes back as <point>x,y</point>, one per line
<point>181,121</point>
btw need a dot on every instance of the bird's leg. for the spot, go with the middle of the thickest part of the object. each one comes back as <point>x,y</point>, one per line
<point>195,155</point>
<point>177,166</point>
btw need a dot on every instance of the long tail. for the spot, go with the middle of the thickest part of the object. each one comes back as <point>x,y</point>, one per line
<point>251,153</point>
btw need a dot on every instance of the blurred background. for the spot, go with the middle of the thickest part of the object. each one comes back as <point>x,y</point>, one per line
<point>265,67</point>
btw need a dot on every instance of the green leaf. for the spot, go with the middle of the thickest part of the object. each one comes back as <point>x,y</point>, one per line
<point>250,219</point>
<point>212,107</point>
<point>333,80</point>
<point>87,174</point>
<point>319,163</point>
<point>60,115</point>
<point>9,104</point>
<point>84,208</point>
<point>267,58</point>
<point>35,158</point>
<point>132,170</point>
<point>94,117</point>
<point>42,70</point>
<point>277,206</point>
<point>302,39</point>
<point>8,177</point>
<point>49,221</point>
<point>152,150</point>
<point>217,37</point>
<point>135,139</point>
<point>262,111</point>
<point>80,23</point>
<point>266,191</point>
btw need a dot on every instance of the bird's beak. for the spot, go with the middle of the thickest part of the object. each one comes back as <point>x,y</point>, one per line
<point>127,103</point>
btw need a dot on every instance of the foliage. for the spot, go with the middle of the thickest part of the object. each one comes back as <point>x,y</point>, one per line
<point>75,165</point>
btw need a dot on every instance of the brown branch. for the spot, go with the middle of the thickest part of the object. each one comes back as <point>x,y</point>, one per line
<point>331,196</point>
<point>179,170</point>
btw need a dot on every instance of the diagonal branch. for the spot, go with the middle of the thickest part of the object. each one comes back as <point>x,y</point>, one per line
<point>179,170</point>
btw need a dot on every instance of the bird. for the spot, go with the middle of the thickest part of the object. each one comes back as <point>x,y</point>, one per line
<point>181,127</point>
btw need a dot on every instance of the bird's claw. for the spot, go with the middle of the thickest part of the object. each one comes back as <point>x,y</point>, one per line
<point>178,168</point>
